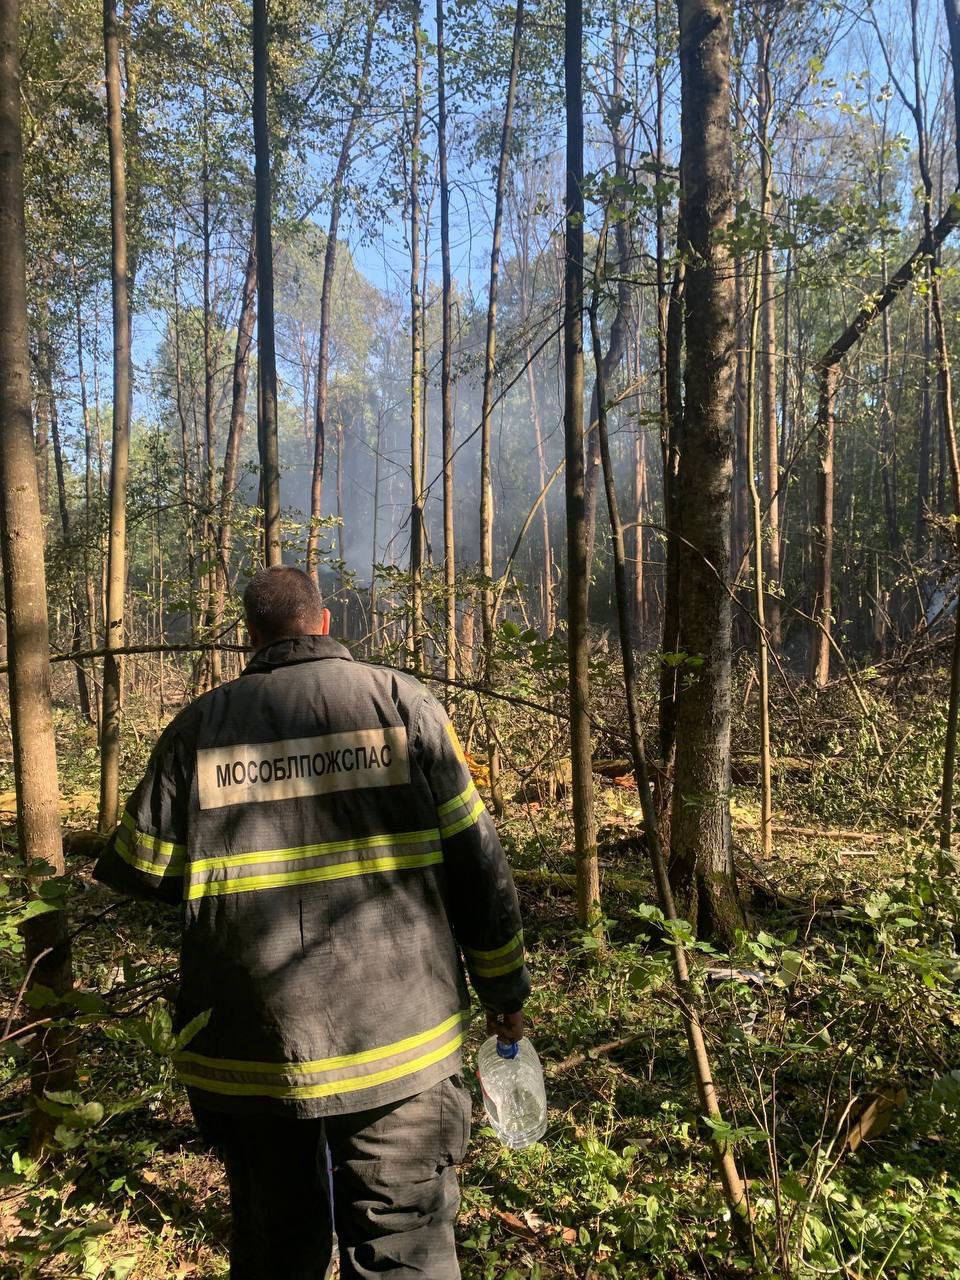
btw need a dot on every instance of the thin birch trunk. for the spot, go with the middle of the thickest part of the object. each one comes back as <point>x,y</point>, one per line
<point>114,620</point>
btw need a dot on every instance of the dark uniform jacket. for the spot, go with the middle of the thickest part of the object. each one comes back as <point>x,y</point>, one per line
<point>334,865</point>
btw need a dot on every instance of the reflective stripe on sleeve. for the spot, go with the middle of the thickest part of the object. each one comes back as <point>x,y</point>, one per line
<point>460,812</point>
<point>494,964</point>
<point>161,858</point>
<point>312,863</point>
<point>322,1077</point>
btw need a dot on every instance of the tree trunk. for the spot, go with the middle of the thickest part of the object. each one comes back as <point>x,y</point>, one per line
<point>581,755</point>
<point>703,874</point>
<point>416,357</point>
<point>326,297</point>
<point>238,409</point>
<point>114,620</point>
<point>487,608</point>
<point>447,425</point>
<point>89,593</point>
<point>620,327</point>
<point>733,1186</point>
<point>768,361</point>
<point>266,336</point>
<point>47,946</point>
<point>952,8</point>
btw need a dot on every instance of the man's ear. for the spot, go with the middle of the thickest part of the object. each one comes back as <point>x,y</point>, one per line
<point>256,640</point>
<point>325,623</point>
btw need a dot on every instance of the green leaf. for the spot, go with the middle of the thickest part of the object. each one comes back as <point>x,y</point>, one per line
<point>37,907</point>
<point>791,962</point>
<point>792,1188</point>
<point>193,1026</point>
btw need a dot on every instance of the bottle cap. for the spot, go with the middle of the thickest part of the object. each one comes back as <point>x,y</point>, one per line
<point>507,1048</point>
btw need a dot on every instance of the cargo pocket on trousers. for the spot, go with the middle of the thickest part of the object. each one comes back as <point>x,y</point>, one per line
<point>456,1107</point>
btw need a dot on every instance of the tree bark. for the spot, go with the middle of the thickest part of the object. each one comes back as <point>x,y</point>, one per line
<point>47,948</point>
<point>581,756</point>
<point>447,425</point>
<point>238,409</point>
<point>416,356</point>
<point>326,297</point>
<point>266,335</point>
<point>952,8</point>
<point>487,607</point>
<point>114,620</point>
<point>702,871</point>
<point>733,1186</point>
<point>768,337</point>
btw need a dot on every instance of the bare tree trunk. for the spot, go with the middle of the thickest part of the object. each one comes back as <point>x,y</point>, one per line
<point>266,336</point>
<point>326,295</point>
<point>487,608</point>
<point>75,605</point>
<point>89,594</point>
<point>447,425</point>
<point>733,1187</point>
<point>703,875</point>
<point>209,669</point>
<point>952,8</point>
<point>117,547</point>
<point>416,356</point>
<point>547,612</point>
<point>231,454</point>
<point>768,363</point>
<point>926,436</point>
<point>758,305</point>
<point>581,753</point>
<point>47,946</point>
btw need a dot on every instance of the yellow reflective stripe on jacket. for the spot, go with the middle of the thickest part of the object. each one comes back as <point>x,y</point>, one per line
<point>260,1079</point>
<point>462,811</point>
<point>465,797</point>
<point>494,964</point>
<point>146,852</point>
<point>312,875</point>
<point>298,852</point>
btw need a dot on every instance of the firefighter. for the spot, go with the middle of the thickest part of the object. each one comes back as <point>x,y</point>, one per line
<point>335,870</point>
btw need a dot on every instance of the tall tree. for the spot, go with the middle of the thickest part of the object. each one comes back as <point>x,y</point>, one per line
<point>447,426</point>
<point>326,291</point>
<point>578,664</point>
<point>47,954</point>
<point>702,869</point>
<point>266,335</point>
<point>768,321</point>
<point>487,608</point>
<point>120,454</point>
<point>416,353</point>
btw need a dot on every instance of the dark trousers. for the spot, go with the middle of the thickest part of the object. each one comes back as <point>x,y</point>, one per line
<point>395,1193</point>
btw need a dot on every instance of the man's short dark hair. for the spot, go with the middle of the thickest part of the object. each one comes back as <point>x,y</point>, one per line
<point>282,601</point>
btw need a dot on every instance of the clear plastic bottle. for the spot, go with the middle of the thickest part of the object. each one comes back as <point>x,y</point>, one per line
<point>513,1094</point>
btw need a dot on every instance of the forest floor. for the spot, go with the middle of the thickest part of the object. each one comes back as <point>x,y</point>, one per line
<point>834,1027</point>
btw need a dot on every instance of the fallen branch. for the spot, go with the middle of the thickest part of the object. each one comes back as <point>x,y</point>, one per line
<point>597,1051</point>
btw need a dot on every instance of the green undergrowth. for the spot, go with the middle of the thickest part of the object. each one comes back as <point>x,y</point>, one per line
<point>835,1047</point>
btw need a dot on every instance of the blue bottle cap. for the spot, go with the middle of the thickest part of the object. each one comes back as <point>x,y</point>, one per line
<point>507,1048</point>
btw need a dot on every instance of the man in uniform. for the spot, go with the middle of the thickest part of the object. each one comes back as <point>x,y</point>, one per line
<point>335,869</point>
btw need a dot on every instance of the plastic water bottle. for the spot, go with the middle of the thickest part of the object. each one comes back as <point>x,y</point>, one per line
<point>514,1098</point>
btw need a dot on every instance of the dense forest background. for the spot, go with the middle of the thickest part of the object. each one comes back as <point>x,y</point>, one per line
<point>599,363</point>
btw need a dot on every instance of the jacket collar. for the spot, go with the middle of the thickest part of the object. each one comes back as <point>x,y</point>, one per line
<point>283,653</point>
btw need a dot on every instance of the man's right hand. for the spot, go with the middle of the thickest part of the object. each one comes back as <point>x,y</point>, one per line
<point>506,1026</point>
